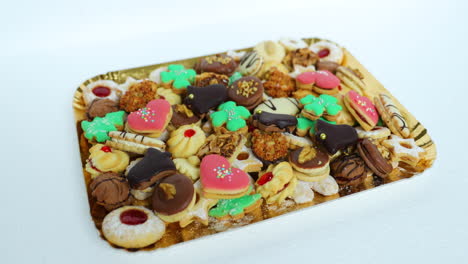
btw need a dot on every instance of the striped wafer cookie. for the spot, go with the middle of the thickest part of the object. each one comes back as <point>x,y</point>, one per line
<point>132,142</point>
<point>392,116</point>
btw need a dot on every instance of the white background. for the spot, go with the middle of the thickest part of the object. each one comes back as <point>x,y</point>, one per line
<point>416,49</point>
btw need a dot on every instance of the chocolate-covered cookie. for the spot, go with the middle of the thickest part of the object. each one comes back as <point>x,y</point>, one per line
<point>172,194</point>
<point>203,99</point>
<point>271,122</point>
<point>220,63</point>
<point>181,115</point>
<point>247,92</point>
<point>154,166</point>
<point>308,159</point>
<point>335,137</point>
<point>110,190</point>
<point>101,107</point>
<point>373,158</point>
<point>348,170</point>
<point>324,65</point>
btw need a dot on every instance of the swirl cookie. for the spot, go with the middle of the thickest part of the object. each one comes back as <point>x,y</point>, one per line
<point>186,141</point>
<point>105,159</point>
<point>276,183</point>
<point>392,116</point>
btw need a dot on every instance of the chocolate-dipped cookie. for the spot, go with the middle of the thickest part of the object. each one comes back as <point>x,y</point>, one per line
<point>154,166</point>
<point>373,158</point>
<point>209,78</point>
<point>247,92</point>
<point>202,99</point>
<point>172,195</point>
<point>110,190</point>
<point>101,107</point>
<point>271,122</point>
<point>310,160</point>
<point>181,115</point>
<point>334,137</point>
<point>220,63</point>
<point>330,66</point>
<point>348,170</point>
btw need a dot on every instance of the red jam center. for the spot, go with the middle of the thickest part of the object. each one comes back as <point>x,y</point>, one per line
<point>323,53</point>
<point>265,178</point>
<point>101,91</point>
<point>106,149</point>
<point>251,128</point>
<point>133,217</point>
<point>189,133</point>
<point>162,97</point>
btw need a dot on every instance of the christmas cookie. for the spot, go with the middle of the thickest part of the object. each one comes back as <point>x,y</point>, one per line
<point>209,78</point>
<point>373,158</point>
<point>404,150</point>
<point>110,190</point>
<point>276,183</point>
<point>132,227</point>
<point>377,133</point>
<point>199,212</point>
<point>202,99</point>
<point>287,106</point>
<point>324,105</point>
<point>392,116</point>
<point>269,147</point>
<point>134,143</point>
<point>236,208</point>
<point>102,89</point>
<point>350,79</point>
<point>250,63</point>
<point>150,120</point>
<point>181,116</point>
<point>220,180</point>
<point>98,129</point>
<point>186,141</point>
<point>327,51</point>
<point>101,107</point>
<point>362,109</point>
<point>168,95</point>
<point>270,122</point>
<point>303,57</point>
<point>348,170</point>
<point>189,167</point>
<point>278,83</point>
<point>138,95</point>
<point>306,126</point>
<point>328,66</point>
<point>311,161</point>
<point>231,116</point>
<point>177,77</point>
<point>247,92</point>
<point>322,82</point>
<point>173,197</point>
<point>220,63</point>
<point>247,161</point>
<point>334,137</point>
<point>270,51</point>
<point>105,159</point>
<point>226,145</point>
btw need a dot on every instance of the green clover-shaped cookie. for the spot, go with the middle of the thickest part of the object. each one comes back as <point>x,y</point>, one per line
<point>233,207</point>
<point>317,106</point>
<point>180,76</point>
<point>230,114</point>
<point>100,126</point>
<point>309,125</point>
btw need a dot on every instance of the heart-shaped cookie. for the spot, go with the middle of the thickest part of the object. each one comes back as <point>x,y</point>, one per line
<point>323,82</point>
<point>362,109</point>
<point>150,120</point>
<point>335,137</point>
<point>219,180</point>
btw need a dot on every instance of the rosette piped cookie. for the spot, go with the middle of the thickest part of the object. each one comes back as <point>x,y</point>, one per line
<point>312,162</point>
<point>186,141</point>
<point>173,197</point>
<point>105,159</point>
<point>247,92</point>
<point>276,183</point>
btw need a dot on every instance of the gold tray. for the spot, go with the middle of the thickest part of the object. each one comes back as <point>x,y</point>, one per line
<point>174,234</point>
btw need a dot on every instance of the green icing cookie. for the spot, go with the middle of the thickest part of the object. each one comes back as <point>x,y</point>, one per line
<point>182,77</point>
<point>235,206</point>
<point>319,105</point>
<point>100,126</point>
<point>234,77</point>
<point>230,114</point>
<point>307,124</point>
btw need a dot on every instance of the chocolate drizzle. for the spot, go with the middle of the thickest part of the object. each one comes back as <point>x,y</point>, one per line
<point>348,170</point>
<point>271,122</point>
<point>201,99</point>
<point>154,166</point>
<point>335,137</point>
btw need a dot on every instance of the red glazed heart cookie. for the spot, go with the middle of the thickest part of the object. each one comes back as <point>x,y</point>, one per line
<point>221,181</point>
<point>322,82</point>
<point>150,120</point>
<point>362,109</point>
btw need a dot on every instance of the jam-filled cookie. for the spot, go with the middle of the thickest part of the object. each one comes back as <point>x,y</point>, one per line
<point>102,89</point>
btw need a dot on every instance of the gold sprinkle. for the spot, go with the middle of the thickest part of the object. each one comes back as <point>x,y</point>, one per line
<point>323,136</point>
<point>191,96</point>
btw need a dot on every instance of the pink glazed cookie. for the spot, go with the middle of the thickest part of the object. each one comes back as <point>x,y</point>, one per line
<point>362,109</point>
<point>221,181</point>
<point>322,82</point>
<point>151,120</point>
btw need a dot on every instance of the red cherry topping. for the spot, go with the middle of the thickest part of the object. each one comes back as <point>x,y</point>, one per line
<point>265,178</point>
<point>133,217</point>
<point>106,149</point>
<point>340,88</point>
<point>162,97</point>
<point>189,133</point>
<point>323,53</point>
<point>101,91</point>
<point>251,128</point>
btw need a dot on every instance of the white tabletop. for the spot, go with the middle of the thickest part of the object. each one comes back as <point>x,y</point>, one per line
<point>417,50</point>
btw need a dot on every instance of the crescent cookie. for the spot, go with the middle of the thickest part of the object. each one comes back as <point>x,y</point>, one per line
<point>327,51</point>
<point>132,227</point>
<point>392,116</point>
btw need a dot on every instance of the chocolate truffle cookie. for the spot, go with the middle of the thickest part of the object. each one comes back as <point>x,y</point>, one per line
<point>172,195</point>
<point>110,190</point>
<point>373,158</point>
<point>220,63</point>
<point>247,92</point>
<point>348,170</point>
